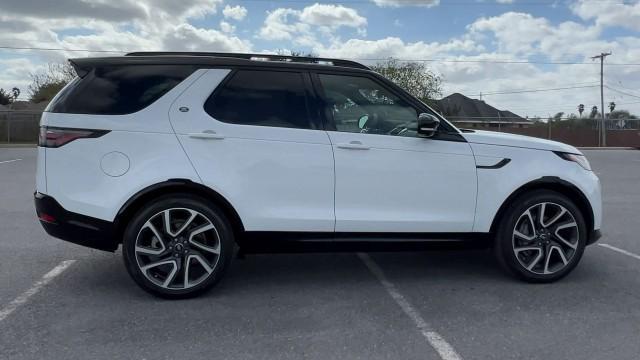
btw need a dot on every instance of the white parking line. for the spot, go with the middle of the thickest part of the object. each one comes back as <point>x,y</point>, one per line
<point>444,349</point>
<point>24,297</point>
<point>9,161</point>
<point>621,251</point>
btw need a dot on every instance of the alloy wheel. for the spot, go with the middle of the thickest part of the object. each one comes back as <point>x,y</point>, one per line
<point>177,248</point>
<point>545,238</point>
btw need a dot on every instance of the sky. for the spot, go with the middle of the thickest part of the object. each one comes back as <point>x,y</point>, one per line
<point>532,57</point>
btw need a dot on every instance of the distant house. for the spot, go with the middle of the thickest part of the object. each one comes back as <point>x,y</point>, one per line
<point>477,113</point>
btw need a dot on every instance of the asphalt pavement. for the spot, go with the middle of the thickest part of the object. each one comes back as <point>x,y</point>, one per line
<point>321,306</point>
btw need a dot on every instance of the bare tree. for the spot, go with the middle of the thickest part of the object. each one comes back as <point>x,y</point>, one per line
<point>296,53</point>
<point>414,77</point>
<point>46,83</point>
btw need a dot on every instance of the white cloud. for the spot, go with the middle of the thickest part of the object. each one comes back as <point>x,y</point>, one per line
<point>302,27</point>
<point>505,1</point>
<point>226,27</point>
<point>399,3</point>
<point>235,12</point>
<point>187,37</point>
<point>526,35</point>
<point>395,47</point>
<point>277,25</point>
<point>13,74</point>
<point>514,32</point>
<point>113,10</point>
<point>609,13</point>
<point>516,36</point>
<point>154,25</point>
<point>332,16</point>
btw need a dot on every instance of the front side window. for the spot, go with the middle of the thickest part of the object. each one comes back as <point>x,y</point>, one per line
<point>359,104</point>
<point>262,98</point>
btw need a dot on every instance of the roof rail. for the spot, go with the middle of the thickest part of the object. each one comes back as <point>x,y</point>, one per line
<point>257,57</point>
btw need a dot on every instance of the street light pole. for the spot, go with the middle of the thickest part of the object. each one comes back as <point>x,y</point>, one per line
<point>603,139</point>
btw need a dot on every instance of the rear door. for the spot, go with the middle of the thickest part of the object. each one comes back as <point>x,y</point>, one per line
<point>253,136</point>
<point>389,179</point>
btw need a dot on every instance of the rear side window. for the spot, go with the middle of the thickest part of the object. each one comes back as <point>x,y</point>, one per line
<point>262,98</point>
<point>118,90</point>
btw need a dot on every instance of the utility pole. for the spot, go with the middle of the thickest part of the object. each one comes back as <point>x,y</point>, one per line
<point>603,134</point>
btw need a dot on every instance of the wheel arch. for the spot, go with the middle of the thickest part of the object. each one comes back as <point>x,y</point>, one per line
<point>137,201</point>
<point>553,183</point>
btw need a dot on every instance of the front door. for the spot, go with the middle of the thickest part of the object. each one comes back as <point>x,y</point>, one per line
<point>389,179</point>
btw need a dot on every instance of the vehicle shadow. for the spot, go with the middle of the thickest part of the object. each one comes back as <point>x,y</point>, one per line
<point>263,274</point>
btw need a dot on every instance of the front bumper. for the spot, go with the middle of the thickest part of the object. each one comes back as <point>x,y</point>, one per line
<point>76,228</point>
<point>594,236</point>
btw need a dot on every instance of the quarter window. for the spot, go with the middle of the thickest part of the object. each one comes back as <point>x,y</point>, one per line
<point>359,104</point>
<point>118,90</point>
<point>262,98</point>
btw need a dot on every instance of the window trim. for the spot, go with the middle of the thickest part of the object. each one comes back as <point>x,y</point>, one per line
<point>313,116</point>
<point>452,133</point>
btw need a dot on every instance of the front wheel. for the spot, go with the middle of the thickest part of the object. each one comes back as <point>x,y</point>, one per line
<point>541,237</point>
<point>178,246</point>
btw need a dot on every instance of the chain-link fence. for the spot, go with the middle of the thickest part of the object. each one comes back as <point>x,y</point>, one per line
<point>19,126</point>
<point>577,132</point>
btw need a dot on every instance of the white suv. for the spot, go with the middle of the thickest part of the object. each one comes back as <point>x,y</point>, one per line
<point>184,158</point>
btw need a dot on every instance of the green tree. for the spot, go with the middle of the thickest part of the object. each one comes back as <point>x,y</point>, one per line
<point>622,114</point>
<point>414,77</point>
<point>558,116</point>
<point>45,84</point>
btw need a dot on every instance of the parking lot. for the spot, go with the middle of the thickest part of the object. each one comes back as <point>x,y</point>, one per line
<point>61,301</point>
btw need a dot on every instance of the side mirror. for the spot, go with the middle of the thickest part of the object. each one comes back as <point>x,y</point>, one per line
<point>362,121</point>
<point>427,125</point>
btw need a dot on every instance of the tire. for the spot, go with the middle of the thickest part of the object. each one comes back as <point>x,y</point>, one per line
<point>541,251</point>
<point>185,260</point>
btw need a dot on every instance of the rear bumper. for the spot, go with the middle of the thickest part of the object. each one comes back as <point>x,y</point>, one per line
<point>76,228</point>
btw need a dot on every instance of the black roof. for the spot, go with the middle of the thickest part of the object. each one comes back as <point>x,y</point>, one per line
<point>214,60</point>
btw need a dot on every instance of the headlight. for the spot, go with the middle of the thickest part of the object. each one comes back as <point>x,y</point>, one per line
<point>578,159</point>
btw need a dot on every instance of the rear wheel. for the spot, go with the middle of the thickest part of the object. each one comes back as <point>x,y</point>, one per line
<point>541,237</point>
<point>178,246</point>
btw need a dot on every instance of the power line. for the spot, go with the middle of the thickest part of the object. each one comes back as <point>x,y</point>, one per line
<point>535,90</point>
<point>619,83</point>
<point>568,108</point>
<point>625,88</point>
<point>621,92</point>
<point>444,3</point>
<point>497,61</point>
<point>472,61</point>
<point>526,89</point>
<point>59,49</point>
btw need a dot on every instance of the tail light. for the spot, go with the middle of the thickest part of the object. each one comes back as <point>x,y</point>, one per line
<point>53,137</point>
<point>47,218</point>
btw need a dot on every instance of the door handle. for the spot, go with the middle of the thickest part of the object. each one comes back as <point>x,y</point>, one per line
<point>353,145</point>
<point>206,135</point>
